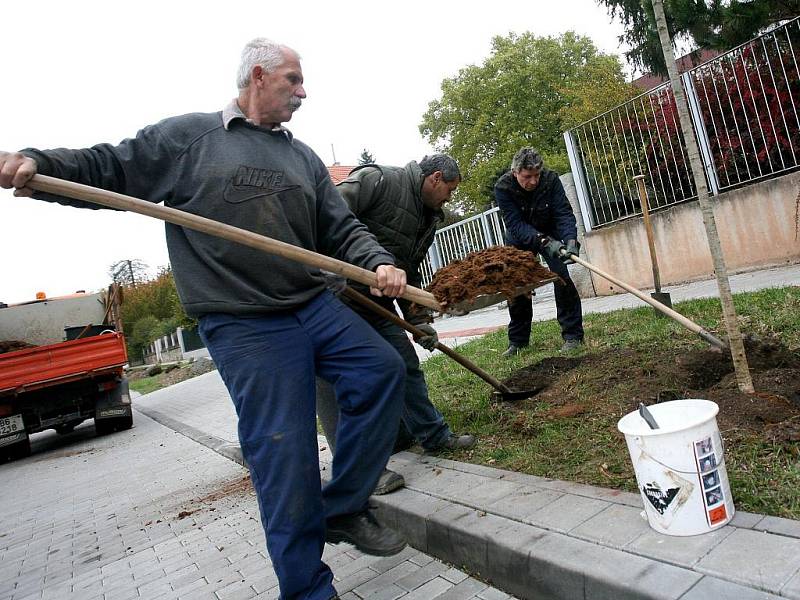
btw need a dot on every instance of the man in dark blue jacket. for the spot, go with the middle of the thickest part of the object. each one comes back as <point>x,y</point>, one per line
<point>539,218</point>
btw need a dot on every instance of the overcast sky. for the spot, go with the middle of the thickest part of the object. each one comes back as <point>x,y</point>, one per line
<point>79,73</point>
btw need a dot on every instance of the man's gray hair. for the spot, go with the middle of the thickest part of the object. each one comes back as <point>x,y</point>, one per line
<point>526,158</point>
<point>263,52</point>
<point>440,162</point>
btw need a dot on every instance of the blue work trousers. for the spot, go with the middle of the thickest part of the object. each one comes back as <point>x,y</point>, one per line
<point>568,309</point>
<point>268,364</point>
<point>420,417</point>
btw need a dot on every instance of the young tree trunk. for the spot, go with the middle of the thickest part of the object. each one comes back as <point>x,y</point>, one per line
<point>728,311</point>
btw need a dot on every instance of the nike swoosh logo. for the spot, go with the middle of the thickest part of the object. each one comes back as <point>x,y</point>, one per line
<point>236,194</point>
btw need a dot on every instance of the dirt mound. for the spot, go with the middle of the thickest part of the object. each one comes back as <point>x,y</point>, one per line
<point>14,345</point>
<point>774,410</point>
<point>499,269</point>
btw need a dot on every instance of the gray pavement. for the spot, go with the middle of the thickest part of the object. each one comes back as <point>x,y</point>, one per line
<point>165,511</point>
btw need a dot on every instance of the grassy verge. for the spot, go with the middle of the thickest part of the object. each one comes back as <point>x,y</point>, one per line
<point>145,385</point>
<point>586,447</point>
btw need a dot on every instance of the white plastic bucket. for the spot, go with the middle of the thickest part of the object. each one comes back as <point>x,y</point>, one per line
<point>680,467</point>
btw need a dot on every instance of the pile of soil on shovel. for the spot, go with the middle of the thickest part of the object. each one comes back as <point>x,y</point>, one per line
<point>622,381</point>
<point>499,269</point>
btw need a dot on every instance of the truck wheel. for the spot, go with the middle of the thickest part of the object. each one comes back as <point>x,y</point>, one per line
<point>66,427</point>
<point>15,451</point>
<point>123,423</point>
<point>106,426</point>
<point>103,426</point>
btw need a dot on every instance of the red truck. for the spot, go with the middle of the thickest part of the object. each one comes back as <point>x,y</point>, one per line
<point>69,368</point>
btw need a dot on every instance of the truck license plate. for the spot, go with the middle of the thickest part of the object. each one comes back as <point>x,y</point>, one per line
<point>12,424</point>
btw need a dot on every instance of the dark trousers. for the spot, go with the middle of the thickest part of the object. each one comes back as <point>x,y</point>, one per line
<point>568,309</point>
<point>268,365</point>
<point>420,417</point>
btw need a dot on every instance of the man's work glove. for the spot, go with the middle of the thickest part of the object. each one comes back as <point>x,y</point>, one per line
<point>334,282</point>
<point>572,247</point>
<point>430,339</point>
<point>551,248</point>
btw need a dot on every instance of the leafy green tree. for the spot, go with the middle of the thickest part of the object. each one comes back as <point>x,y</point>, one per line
<point>526,93</point>
<point>152,309</point>
<point>714,24</point>
<point>366,158</point>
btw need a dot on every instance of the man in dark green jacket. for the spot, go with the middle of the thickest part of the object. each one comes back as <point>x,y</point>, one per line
<point>401,206</point>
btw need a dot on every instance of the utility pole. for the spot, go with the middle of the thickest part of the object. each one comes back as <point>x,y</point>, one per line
<point>735,342</point>
<point>130,270</point>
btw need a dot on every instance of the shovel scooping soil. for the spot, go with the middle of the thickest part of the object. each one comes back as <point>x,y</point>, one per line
<point>494,274</point>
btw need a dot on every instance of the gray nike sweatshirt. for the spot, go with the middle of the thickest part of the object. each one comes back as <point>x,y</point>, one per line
<point>243,175</point>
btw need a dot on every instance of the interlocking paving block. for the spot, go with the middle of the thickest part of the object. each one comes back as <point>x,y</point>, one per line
<point>406,511</point>
<point>615,526</point>
<point>523,502</point>
<point>563,567</point>
<point>387,579</point>
<point>468,588</point>
<point>792,588</point>
<point>745,520</point>
<point>432,589</point>
<point>787,527</point>
<point>438,527</point>
<point>487,493</point>
<point>507,556</point>
<point>422,575</point>
<point>591,491</point>
<point>684,551</point>
<point>711,588</point>
<point>445,483</point>
<point>566,513</point>
<point>761,560</point>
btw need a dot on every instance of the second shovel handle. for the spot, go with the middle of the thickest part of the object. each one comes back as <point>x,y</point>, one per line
<point>78,191</point>
<point>416,332</point>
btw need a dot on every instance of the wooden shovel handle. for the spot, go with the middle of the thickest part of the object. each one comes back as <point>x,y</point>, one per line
<point>416,332</point>
<point>672,314</point>
<point>53,185</point>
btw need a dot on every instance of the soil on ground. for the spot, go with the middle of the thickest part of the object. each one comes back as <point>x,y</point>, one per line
<point>14,345</point>
<point>499,269</point>
<point>773,411</point>
<point>173,374</point>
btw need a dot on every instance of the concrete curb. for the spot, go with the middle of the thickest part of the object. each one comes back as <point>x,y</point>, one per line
<point>540,538</point>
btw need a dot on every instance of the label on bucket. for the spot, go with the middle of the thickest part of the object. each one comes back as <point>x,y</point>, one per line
<point>706,456</point>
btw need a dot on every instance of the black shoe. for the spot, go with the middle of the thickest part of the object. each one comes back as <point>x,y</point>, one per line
<point>571,344</point>
<point>365,533</point>
<point>388,482</point>
<point>453,442</point>
<point>513,350</point>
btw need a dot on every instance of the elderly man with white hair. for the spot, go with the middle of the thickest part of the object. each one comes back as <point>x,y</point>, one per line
<point>269,323</point>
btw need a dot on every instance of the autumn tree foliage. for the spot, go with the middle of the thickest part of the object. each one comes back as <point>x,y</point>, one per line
<point>713,24</point>
<point>526,93</point>
<point>150,310</point>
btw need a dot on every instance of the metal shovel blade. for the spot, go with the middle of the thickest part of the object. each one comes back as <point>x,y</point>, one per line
<point>513,395</point>
<point>486,300</point>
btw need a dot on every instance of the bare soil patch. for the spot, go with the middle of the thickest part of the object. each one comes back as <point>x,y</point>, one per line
<point>499,269</point>
<point>773,412</point>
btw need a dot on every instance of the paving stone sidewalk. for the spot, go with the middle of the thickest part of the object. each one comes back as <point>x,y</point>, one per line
<point>152,514</point>
<point>534,537</point>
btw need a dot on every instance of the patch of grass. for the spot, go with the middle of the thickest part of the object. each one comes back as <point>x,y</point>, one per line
<point>145,385</point>
<point>587,447</point>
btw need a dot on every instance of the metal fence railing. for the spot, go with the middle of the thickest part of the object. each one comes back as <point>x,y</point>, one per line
<point>749,101</point>
<point>455,241</point>
<point>744,106</point>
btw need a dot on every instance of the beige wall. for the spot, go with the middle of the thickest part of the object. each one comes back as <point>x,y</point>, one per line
<point>756,224</point>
